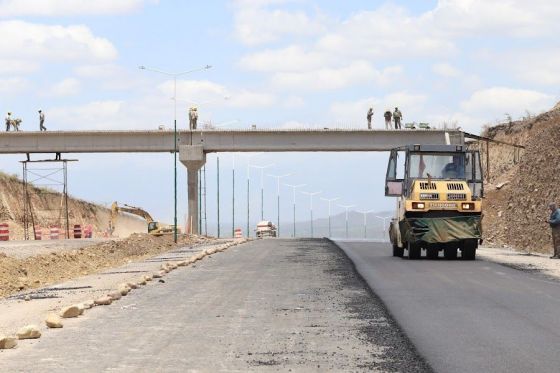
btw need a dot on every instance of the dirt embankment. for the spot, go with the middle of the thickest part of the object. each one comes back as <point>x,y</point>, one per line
<point>516,214</point>
<point>47,211</point>
<point>40,270</point>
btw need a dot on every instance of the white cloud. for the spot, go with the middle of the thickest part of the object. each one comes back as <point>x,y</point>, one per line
<point>255,24</point>
<point>93,115</point>
<point>65,87</point>
<point>293,102</point>
<point>28,41</point>
<point>11,66</point>
<point>290,59</point>
<point>203,92</point>
<point>13,86</point>
<point>446,70</point>
<point>18,8</point>
<point>358,72</point>
<point>496,101</point>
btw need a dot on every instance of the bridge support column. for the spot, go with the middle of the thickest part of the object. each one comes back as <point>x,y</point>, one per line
<point>193,157</point>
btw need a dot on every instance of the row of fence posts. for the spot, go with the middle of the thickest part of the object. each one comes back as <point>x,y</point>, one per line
<point>54,232</point>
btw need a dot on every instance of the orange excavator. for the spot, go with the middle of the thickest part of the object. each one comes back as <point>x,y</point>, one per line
<point>154,227</point>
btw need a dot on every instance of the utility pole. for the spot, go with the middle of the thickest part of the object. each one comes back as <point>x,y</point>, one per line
<point>248,189</point>
<point>294,187</point>
<point>311,194</point>
<point>346,207</point>
<point>329,201</point>
<point>278,177</point>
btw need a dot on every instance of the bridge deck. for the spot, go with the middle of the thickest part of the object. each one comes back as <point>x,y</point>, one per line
<point>262,140</point>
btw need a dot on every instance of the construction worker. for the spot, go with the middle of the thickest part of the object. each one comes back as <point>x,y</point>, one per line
<point>193,118</point>
<point>554,223</point>
<point>8,121</point>
<point>397,117</point>
<point>388,116</point>
<point>369,116</point>
<point>42,121</point>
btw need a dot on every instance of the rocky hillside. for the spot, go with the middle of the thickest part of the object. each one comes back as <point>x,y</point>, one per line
<point>47,211</point>
<point>519,191</point>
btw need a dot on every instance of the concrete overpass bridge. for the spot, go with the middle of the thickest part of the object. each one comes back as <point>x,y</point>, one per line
<point>194,145</point>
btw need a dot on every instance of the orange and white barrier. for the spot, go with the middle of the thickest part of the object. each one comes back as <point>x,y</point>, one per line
<point>54,233</point>
<point>88,231</point>
<point>238,233</point>
<point>38,233</point>
<point>77,231</point>
<point>4,232</point>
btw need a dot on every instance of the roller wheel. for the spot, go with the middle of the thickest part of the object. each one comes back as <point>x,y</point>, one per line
<point>414,251</point>
<point>450,252</point>
<point>468,251</point>
<point>432,252</point>
<point>398,251</point>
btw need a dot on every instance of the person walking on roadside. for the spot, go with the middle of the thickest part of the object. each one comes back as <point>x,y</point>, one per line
<point>554,223</point>
<point>397,117</point>
<point>8,121</point>
<point>388,116</point>
<point>369,116</point>
<point>42,121</point>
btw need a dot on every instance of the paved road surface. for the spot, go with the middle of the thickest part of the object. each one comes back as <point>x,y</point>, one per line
<point>467,316</point>
<point>265,306</point>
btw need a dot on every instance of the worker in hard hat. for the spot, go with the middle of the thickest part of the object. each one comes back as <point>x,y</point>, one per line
<point>368,117</point>
<point>8,121</point>
<point>193,118</point>
<point>42,121</point>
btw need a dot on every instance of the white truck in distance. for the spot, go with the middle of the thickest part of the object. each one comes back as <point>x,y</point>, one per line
<point>265,228</point>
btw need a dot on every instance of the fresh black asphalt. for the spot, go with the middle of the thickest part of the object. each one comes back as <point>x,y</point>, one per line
<point>467,316</point>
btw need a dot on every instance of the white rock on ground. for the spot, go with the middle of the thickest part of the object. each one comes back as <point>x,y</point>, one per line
<point>88,304</point>
<point>70,311</point>
<point>148,277</point>
<point>157,274</point>
<point>115,295</point>
<point>124,289</point>
<point>132,285</point>
<point>53,321</point>
<point>7,342</point>
<point>103,301</point>
<point>28,332</point>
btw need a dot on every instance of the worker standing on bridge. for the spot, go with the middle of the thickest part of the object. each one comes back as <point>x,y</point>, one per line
<point>369,116</point>
<point>8,121</point>
<point>388,116</point>
<point>193,118</point>
<point>42,121</point>
<point>397,116</point>
<point>554,223</point>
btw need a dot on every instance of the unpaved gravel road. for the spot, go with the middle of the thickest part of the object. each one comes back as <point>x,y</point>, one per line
<point>269,305</point>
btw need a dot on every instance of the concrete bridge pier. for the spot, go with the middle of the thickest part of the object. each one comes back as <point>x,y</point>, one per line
<point>193,157</point>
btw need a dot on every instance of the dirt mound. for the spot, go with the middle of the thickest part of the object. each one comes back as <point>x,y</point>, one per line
<point>516,214</point>
<point>47,211</point>
<point>41,270</point>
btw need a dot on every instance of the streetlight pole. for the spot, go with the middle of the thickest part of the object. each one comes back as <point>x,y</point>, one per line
<point>294,187</point>
<point>311,194</point>
<point>329,201</point>
<point>346,207</point>
<point>262,168</point>
<point>248,182</point>
<point>278,177</point>
<point>174,75</point>
<point>365,220</point>
<point>218,191</point>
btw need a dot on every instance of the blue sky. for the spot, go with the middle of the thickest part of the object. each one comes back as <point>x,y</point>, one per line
<point>282,63</point>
